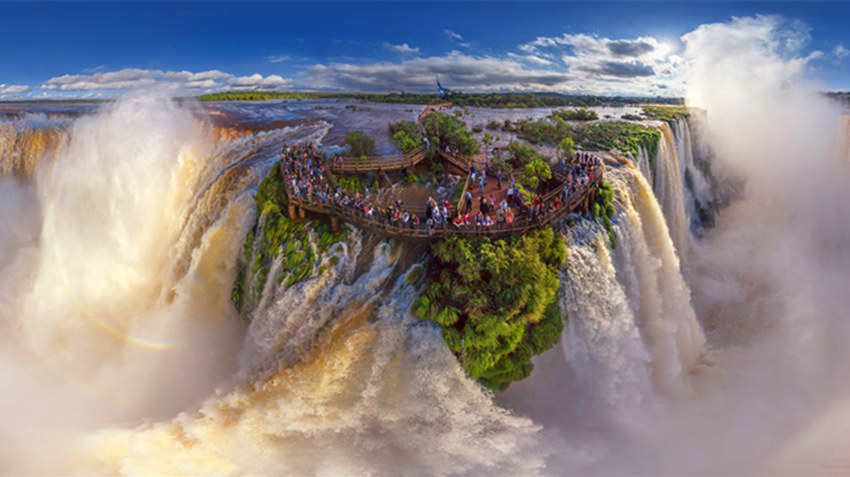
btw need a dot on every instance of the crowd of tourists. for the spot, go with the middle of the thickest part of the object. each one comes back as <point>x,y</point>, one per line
<point>305,176</point>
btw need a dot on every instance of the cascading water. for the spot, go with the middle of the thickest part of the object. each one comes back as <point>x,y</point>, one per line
<point>345,367</point>
<point>25,142</point>
<point>118,259</point>
<point>669,189</point>
<point>681,181</point>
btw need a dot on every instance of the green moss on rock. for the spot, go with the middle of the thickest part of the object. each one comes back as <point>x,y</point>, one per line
<point>278,235</point>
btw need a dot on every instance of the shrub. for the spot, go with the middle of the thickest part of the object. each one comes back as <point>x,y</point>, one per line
<point>404,135</point>
<point>535,172</point>
<point>359,144</point>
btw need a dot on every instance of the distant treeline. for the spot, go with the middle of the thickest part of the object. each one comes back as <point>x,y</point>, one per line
<point>489,100</point>
<point>842,97</point>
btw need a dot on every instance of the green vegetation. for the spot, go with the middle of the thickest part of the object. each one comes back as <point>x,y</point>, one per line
<point>410,179</point>
<point>605,135</point>
<point>632,117</point>
<point>566,146</point>
<point>360,144</point>
<point>581,114</point>
<point>351,184</point>
<point>405,135</point>
<point>447,130</point>
<point>414,275</point>
<point>520,155</point>
<point>489,100</point>
<point>668,114</point>
<point>495,301</point>
<point>603,208</point>
<point>273,236</point>
<point>535,172</point>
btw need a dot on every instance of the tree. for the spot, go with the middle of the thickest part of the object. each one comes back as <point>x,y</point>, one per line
<point>521,154</point>
<point>565,147</point>
<point>536,172</point>
<point>360,144</point>
<point>405,135</point>
<point>496,301</point>
<point>450,131</point>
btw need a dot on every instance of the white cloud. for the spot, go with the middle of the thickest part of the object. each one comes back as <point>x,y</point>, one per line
<point>732,61</point>
<point>133,78</point>
<point>257,81</point>
<point>452,35</point>
<point>839,53</point>
<point>537,60</point>
<point>456,38</point>
<point>643,65</point>
<point>403,49</point>
<point>13,89</point>
<point>279,58</point>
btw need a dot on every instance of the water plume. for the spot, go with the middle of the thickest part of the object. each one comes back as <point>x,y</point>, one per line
<point>105,320</point>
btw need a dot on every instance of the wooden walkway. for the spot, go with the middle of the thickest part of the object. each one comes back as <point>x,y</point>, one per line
<point>577,201</point>
<point>357,165</point>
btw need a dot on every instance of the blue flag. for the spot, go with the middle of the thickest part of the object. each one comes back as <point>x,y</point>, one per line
<point>441,89</point>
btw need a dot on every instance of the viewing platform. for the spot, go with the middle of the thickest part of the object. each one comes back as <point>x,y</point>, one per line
<point>577,202</point>
<point>550,207</point>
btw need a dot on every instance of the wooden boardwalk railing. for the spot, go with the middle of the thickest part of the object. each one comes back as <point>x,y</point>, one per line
<point>354,165</point>
<point>457,162</point>
<point>353,216</point>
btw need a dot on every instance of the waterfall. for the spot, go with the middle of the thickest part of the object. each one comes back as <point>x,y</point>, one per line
<point>683,183</point>
<point>25,142</point>
<point>669,188</point>
<point>119,253</point>
<point>336,362</point>
<point>649,294</point>
<point>602,343</point>
<point>645,164</point>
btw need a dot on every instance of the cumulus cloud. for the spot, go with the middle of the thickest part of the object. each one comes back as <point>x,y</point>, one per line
<point>279,58</point>
<point>611,60</point>
<point>403,49</point>
<point>257,81</point>
<point>13,89</point>
<point>768,52</point>
<point>133,78</point>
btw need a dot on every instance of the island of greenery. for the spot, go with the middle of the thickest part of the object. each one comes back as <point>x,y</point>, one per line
<point>495,299</point>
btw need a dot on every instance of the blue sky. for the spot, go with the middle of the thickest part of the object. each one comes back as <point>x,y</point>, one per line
<point>67,49</point>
